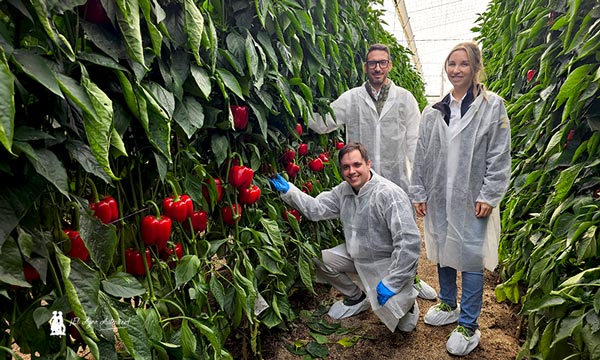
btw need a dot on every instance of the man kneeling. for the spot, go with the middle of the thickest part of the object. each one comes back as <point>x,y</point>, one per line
<point>382,244</point>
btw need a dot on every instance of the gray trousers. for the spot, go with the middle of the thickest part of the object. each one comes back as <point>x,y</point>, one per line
<point>335,269</point>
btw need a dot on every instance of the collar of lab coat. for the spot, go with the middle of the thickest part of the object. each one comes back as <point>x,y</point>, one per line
<point>444,105</point>
<point>388,102</point>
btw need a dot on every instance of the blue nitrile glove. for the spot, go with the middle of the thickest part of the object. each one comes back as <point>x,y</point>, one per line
<point>279,183</point>
<point>383,293</point>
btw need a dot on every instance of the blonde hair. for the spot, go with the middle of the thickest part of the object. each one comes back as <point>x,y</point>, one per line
<point>475,62</point>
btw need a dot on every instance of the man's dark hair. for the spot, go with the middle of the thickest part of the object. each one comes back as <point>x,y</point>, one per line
<point>351,147</point>
<point>378,47</point>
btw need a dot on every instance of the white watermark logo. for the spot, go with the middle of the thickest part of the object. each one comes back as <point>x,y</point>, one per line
<point>57,326</point>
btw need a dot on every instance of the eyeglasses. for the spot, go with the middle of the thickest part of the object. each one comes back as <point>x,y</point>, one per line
<point>372,64</point>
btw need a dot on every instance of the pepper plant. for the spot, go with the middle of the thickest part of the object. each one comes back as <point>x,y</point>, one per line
<point>152,103</point>
<point>542,57</point>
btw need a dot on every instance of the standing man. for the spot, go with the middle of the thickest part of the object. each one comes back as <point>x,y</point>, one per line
<point>382,244</point>
<point>385,118</point>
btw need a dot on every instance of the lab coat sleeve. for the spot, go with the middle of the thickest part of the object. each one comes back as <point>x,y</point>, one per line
<point>417,191</point>
<point>498,160</point>
<point>329,124</point>
<point>406,240</point>
<point>323,207</point>
<point>413,118</point>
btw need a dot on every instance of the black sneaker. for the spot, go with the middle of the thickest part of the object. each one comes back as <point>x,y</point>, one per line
<point>349,302</point>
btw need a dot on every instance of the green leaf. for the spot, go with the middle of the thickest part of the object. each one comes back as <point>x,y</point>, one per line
<point>83,155</point>
<point>7,103</point>
<point>272,229</point>
<point>186,269</point>
<point>219,146</point>
<point>571,88</point>
<point>323,327</point>
<point>99,124</point>
<point>230,82</point>
<point>93,282</point>
<point>15,202</point>
<point>565,182</point>
<point>251,56</point>
<point>262,112</point>
<point>305,273</point>
<point>566,328</point>
<point>194,25</point>
<point>319,338</point>
<point>317,350</point>
<point>188,339</point>
<point>131,330</point>
<point>202,79</point>
<point>47,164</point>
<point>284,93</point>
<point>25,241</point>
<point>156,122</point>
<point>154,33</point>
<point>543,303</point>
<point>217,290</point>
<point>100,239</point>
<point>303,88</point>
<point>152,324</point>
<point>591,340</point>
<point>101,60</point>
<point>305,21</point>
<point>349,341</point>
<point>212,338</point>
<point>35,66</point>
<point>124,285</point>
<point>57,38</point>
<point>592,273</point>
<point>11,271</point>
<point>128,19</point>
<point>189,115</point>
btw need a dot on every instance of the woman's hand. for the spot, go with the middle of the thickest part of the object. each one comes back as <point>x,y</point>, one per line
<point>420,208</point>
<point>483,209</point>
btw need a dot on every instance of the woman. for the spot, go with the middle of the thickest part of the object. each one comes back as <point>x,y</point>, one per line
<point>460,174</point>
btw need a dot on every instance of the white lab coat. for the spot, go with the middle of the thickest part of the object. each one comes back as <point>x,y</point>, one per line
<point>390,137</point>
<point>453,169</point>
<point>381,236</point>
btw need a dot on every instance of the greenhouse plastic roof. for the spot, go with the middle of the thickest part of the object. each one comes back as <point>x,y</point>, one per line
<point>437,25</point>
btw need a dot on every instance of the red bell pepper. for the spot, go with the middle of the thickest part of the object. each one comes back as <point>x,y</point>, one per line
<point>134,262</point>
<point>106,209</point>
<point>199,221</point>
<point>316,164</point>
<point>178,209</point>
<point>167,254</point>
<point>228,214</point>
<point>292,170</point>
<point>240,116</point>
<point>292,212</point>
<point>530,74</point>
<point>339,145</point>
<point>308,187</point>
<point>288,156</point>
<point>218,186</point>
<point>156,231</point>
<point>249,195</point>
<point>302,149</point>
<point>78,249</point>
<point>94,12</point>
<point>240,176</point>
<point>324,157</point>
<point>31,274</point>
<point>299,129</point>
